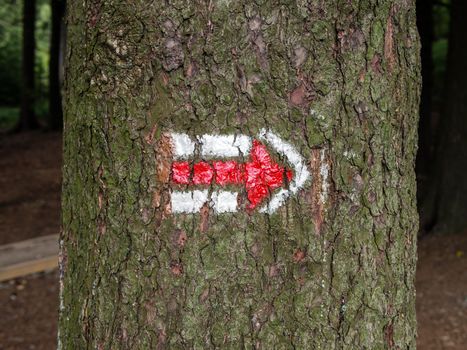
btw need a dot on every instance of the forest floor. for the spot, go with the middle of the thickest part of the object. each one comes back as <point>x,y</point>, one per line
<point>30,167</point>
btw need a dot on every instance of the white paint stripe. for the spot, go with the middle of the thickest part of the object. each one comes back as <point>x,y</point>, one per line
<point>183,146</point>
<point>192,201</point>
<point>275,202</point>
<point>224,201</point>
<point>225,145</point>
<point>188,202</point>
<point>295,159</point>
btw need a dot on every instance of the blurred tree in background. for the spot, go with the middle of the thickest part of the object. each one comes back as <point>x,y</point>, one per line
<point>433,26</point>
<point>10,52</point>
<point>426,30</point>
<point>56,42</point>
<point>441,15</point>
<point>444,205</point>
<point>27,118</point>
<point>11,31</point>
<point>43,34</point>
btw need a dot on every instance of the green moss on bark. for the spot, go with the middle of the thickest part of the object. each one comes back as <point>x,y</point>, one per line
<point>342,77</point>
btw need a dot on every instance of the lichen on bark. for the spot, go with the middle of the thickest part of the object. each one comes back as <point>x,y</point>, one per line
<point>338,79</point>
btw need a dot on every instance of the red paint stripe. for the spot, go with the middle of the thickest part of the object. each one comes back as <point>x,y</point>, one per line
<point>260,175</point>
<point>202,173</point>
<point>181,173</point>
<point>229,172</point>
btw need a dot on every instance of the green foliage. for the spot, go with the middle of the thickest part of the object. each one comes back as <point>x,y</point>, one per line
<point>8,117</point>
<point>441,19</point>
<point>441,22</point>
<point>10,55</point>
<point>440,50</point>
<point>43,31</point>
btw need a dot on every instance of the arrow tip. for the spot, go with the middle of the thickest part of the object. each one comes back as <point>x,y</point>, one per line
<point>263,175</point>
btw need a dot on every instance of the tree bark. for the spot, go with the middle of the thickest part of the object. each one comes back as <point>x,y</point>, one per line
<point>332,268</point>
<point>445,208</point>
<point>28,119</point>
<point>55,95</point>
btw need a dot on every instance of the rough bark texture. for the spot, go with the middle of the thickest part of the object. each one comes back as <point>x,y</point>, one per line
<point>333,268</point>
<point>28,119</point>
<point>445,208</point>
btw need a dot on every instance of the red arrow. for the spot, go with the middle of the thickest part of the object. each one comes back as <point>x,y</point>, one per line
<point>260,175</point>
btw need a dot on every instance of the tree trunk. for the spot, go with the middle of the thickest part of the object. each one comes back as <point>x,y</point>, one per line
<point>55,96</point>
<point>445,209</point>
<point>28,119</point>
<point>330,89</point>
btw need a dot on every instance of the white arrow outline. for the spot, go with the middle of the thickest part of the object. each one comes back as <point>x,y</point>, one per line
<point>233,146</point>
<point>189,201</point>
<point>225,145</point>
<point>295,159</point>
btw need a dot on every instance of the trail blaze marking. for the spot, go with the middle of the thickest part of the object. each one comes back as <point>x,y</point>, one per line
<point>254,169</point>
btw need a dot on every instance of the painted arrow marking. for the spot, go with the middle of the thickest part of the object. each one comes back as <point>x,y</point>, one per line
<point>260,174</point>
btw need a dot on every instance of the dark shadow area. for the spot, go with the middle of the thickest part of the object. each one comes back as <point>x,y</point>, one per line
<point>442,156</point>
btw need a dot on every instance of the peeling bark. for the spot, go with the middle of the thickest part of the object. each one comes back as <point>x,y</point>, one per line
<point>320,187</point>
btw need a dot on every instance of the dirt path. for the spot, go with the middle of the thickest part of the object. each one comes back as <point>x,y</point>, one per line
<point>30,180</point>
<point>442,292</point>
<point>29,206</point>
